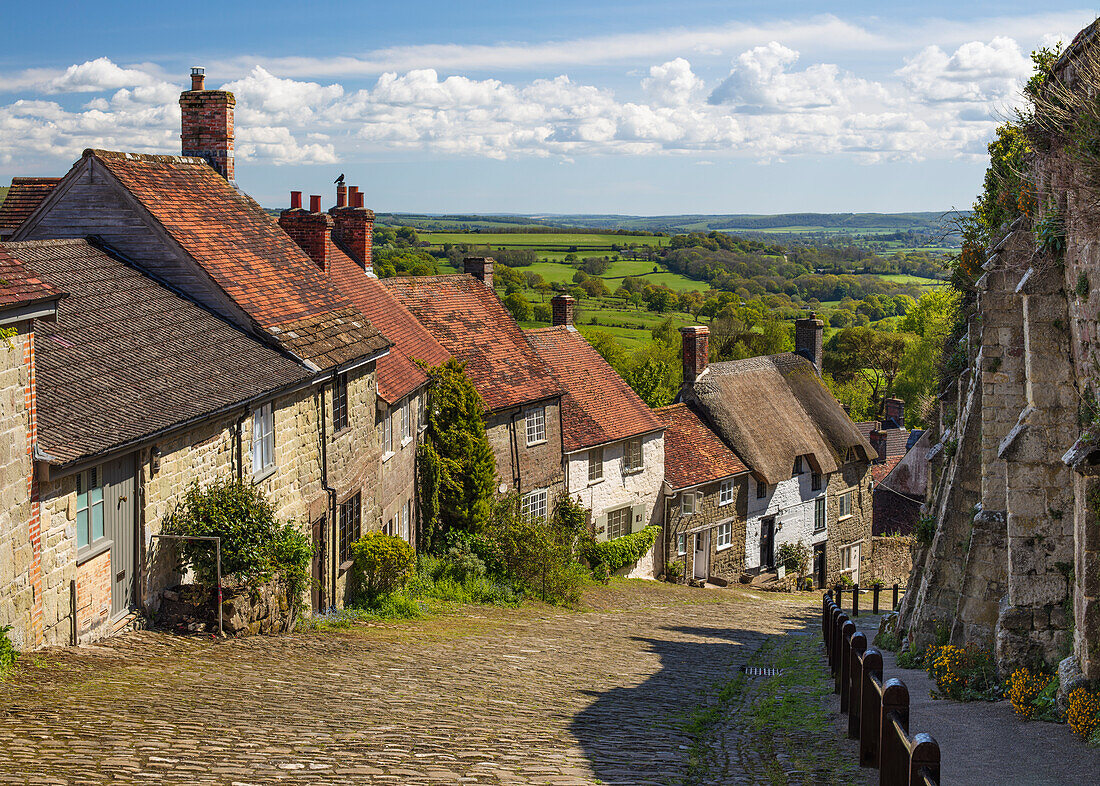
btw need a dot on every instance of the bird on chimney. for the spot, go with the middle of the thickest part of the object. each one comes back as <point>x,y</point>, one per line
<point>340,180</point>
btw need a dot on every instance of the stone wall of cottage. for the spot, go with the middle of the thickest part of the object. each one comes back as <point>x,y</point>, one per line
<point>17,553</point>
<point>397,483</point>
<point>852,529</point>
<point>891,560</point>
<point>538,466</point>
<point>619,488</point>
<point>792,502</point>
<point>726,562</point>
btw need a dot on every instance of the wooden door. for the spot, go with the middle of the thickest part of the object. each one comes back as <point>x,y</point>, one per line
<point>819,564</point>
<point>767,542</point>
<point>119,506</point>
<point>318,584</point>
<point>702,555</point>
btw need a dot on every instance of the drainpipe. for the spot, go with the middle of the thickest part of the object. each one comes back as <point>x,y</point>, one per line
<point>331,491</point>
<point>516,479</point>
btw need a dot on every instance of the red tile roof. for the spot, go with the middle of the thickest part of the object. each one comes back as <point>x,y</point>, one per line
<point>248,255</point>
<point>598,406</point>
<point>470,322</point>
<point>20,287</point>
<point>693,453</point>
<point>24,195</point>
<point>398,375</point>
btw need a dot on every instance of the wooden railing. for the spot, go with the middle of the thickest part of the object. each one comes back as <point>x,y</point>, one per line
<point>878,711</point>
<point>875,590</point>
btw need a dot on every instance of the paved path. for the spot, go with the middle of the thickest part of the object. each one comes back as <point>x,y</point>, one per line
<point>533,695</point>
<point>985,743</point>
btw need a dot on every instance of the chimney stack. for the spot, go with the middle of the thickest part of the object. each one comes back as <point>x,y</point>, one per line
<point>308,228</point>
<point>353,226</point>
<point>809,339</point>
<point>207,124</point>
<point>878,442</point>
<point>562,307</point>
<point>696,348</point>
<point>480,268</point>
<point>894,413</point>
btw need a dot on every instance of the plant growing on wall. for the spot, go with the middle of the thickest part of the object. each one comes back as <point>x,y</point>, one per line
<point>795,557</point>
<point>619,552</point>
<point>8,653</point>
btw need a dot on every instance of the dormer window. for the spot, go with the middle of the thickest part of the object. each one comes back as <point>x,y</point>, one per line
<point>797,466</point>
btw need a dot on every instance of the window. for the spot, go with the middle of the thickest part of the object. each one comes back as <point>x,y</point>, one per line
<point>406,515</point>
<point>761,489</point>
<point>595,465</point>
<point>350,521</point>
<point>689,503</point>
<point>406,421</point>
<point>725,492</point>
<point>632,455</point>
<point>725,535</point>
<point>618,523</point>
<point>844,506</point>
<point>263,439</point>
<point>819,514</point>
<point>387,432</point>
<point>536,425</point>
<point>533,505</point>
<point>340,403</point>
<point>815,481</point>
<point>797,466</point>
<point>681,544</point>
<point>89,507</point>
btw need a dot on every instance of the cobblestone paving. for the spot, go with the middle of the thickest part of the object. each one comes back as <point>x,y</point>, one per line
<point>533,695</point>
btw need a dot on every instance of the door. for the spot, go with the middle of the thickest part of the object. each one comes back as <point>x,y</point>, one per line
<point>317,592</point>
<point>819,564</point>
<point>767,543</point>
<point>119,504</point>
<point>702,555</point>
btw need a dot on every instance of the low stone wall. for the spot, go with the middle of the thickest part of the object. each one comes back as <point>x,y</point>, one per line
<point>891,560</point>
<point>192,608</point>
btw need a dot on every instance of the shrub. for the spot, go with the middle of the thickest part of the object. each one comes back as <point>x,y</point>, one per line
<point>926,529</point>
<point>383,565</point>
<point>963,673</point>
<point>1022,689</point>
<point>624,550</point>
<point>8,653</point>
<point>1083,712</point>
<point>460,582</point>
<point>912,658</point>
<point>845,580</point>
<point>793,556</point>
<point>674,570</point>
<point>1083,284</point>
<point>255,547</point>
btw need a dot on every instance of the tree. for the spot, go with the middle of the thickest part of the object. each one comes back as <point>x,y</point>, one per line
<point>463,462</point>
<point>518,305</point>
<point>873,356</point>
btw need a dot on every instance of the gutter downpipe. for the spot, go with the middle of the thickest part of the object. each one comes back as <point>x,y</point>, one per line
<point>324,485</point>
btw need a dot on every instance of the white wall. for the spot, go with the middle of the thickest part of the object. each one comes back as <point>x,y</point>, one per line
<point>792,503</point>
<point>617,489</point>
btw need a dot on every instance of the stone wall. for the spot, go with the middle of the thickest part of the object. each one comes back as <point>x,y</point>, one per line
<point>891,560</point>
<point>521,467</point>
<point>855,528</point>
<point>727,562</point>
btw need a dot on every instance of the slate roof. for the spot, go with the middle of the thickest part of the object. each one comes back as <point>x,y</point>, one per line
<point>468,320</point>
<point>693,453</point>
<point>24,195</point>
<point>898,440</point>
<point>128,358</point>
<point>771,409</point>
<point>397,374</point>
<point>598,406</point>
<point>20,287</point>
<point>248,256</point>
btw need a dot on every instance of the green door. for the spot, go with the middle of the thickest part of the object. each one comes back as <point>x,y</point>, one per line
<point>119,504</point>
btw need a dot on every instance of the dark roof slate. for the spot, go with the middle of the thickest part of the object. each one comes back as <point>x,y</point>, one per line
<point>128,358</point>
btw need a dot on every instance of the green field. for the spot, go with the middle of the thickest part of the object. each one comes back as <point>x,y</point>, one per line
<point>542,240</point>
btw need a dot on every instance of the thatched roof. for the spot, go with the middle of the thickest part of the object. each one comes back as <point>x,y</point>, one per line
<point>771,409</point>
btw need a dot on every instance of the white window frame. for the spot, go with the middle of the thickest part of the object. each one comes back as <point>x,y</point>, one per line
<point>534,504</point>
<point>406,511</point>
<point>387,433</point>
<point>422,411</point>
<point>726,492</point>
<point>535,424</point>
<point>850,557</point>
<point>725,536</point>
<point>263,441</point>
<point>624,527</point>
<point>630,447</point>
<point>406,422</point>
<point>595,465</point>
<point>844,505</point>
<point>689,503</point>
<point>681,544</point>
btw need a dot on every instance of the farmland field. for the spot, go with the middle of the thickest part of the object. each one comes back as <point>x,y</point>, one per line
<point>543,240</point>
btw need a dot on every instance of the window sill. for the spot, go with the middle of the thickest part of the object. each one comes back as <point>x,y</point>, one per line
<point>723,504</point>
<point>595,482</point>
<point>724,548</point>
<point>346,566</point>
<point>536,443</point>
<point>406,441</point>
<point>264,474</point>
<point>341,432</point>
<point>844,518</point>
<point>634,471</point>
<point>387,456</point>
<point>93,550</point>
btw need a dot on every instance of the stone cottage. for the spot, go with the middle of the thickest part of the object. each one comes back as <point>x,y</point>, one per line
<point>613,444</point>
<point>811,466</point>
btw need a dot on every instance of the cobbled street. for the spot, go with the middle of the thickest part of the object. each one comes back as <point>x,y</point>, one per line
<point>531,695</point>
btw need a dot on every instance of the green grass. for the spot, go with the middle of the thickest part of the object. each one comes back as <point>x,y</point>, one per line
<point>547,240</point>
<point>906,278</point>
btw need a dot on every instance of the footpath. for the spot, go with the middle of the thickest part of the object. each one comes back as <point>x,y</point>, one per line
<point>984,742</point>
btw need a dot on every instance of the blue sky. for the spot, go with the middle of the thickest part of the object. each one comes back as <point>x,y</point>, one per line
<point>566,107</point>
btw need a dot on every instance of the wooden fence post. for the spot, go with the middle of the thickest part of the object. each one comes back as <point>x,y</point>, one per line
<point>844,673</point>
<point>871,711</point>
<point>855,600</point>
<point>855,683</point>
<point>893,762</point>
<point>895,596</point>
<point>925,756</point>
<point>875,591</point>
<point>838,645</point>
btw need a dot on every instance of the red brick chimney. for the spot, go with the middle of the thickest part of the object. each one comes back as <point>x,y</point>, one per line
<point>894,410</point>
<point>878,442</point>
<point>809,339</point>
<point>207,117</point>
<point>562,307</point>
<point>308,228</point>
<point>480,268</point>
<point>353,225</point>
<point>696,346</point>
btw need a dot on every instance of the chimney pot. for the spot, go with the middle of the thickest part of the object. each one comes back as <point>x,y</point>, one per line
<point>354,227</point>
<point>295,200</point>
<point>562,307</point>
<point>198,78</point>
<point>696,348</point>
<point>809,339</point>
<point>314,203</point>
<point>480,268</point>
<point>357,198</point>
<point>341,196</point>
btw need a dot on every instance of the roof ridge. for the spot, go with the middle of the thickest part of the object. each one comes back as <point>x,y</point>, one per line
<point>670,407</point>
<point>155,158</point>
<point>28,180</point>
<point>61,241</point>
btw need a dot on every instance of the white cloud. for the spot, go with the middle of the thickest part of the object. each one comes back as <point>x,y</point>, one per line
<point>672,83</point>
<point>94,76</point>
<point>975,72</point>
<point>276,144</point>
